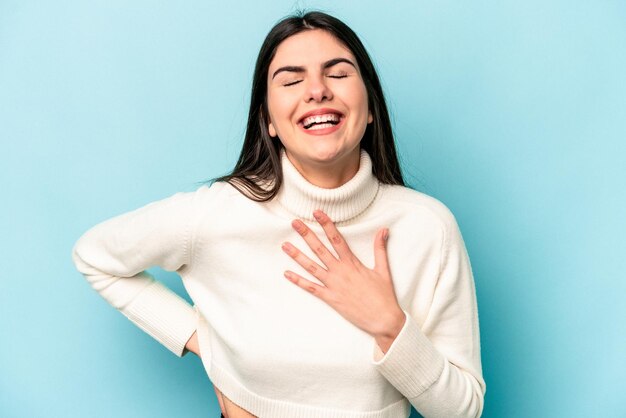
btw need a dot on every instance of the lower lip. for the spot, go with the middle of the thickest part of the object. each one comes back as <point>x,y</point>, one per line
<point>324,131</point>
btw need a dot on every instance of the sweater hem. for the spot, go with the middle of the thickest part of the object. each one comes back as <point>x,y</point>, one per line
<point>263,407</point>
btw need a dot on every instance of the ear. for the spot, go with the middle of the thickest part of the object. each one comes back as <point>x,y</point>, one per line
<point>370,118</point>
<point>270,128</point>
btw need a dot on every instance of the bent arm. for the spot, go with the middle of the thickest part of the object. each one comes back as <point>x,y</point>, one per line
<point>114,255</point>
<point>438,367</point>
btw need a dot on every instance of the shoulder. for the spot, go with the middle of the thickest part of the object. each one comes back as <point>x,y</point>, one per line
<point>413,203</point>
<point>418,211</point>
<point>215,191</point>
<point>217,198</point>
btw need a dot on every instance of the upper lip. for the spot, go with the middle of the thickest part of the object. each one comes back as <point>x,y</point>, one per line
<point>322,111</point>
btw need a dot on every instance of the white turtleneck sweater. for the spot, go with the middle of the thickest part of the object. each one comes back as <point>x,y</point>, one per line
<point>269,346</point>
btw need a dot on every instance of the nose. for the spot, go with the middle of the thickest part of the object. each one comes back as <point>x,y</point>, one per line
<point>317,90</point>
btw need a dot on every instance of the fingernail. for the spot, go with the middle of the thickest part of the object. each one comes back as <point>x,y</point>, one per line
<point>386,234</point>
<point>289,276</point>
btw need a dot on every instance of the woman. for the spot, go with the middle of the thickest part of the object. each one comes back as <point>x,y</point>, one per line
<point>322,286</point>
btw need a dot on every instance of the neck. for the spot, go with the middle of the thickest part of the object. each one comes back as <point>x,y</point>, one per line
<point>329,175</point>
<point>301,197</point>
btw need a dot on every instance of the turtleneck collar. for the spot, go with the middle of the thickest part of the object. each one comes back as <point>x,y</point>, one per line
<point>300,197</point>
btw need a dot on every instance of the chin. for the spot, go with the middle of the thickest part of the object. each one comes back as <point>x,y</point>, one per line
<point>329,149</point>
<point>322,152</point>
<point>326,155</point>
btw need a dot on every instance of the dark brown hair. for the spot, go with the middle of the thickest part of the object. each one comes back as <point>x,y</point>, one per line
<point>259,161</point>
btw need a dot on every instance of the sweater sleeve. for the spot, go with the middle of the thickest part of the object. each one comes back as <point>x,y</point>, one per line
<point>114,254</point>
<point>438,367</point>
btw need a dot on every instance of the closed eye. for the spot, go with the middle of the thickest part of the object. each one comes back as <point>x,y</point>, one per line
<point>330,76</point>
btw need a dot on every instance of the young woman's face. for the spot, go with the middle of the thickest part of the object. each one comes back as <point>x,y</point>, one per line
<point>317,99</point>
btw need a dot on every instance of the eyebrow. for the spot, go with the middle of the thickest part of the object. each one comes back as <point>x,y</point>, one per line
<point>327,64</point>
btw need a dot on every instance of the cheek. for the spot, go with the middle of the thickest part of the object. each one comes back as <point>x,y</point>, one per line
<point>356,97</point>
<point>280,109</point>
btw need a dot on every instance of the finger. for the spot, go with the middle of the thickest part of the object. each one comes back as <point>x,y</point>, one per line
<point>309,286</point>
<point>314,243</point>
<point>309,265</point>
<point>334,236</point>
<point>381,263</point>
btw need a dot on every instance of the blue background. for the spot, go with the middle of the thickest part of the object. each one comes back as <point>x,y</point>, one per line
<point>512,113</point>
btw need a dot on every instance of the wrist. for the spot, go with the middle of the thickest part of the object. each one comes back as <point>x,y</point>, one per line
<point>390,330</point>
<point>192,344</point>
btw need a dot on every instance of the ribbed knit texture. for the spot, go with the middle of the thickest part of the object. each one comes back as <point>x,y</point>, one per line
<point>166,318</point>
<point>341,204</point>
<point>412,361</point>
<point>273,348</point>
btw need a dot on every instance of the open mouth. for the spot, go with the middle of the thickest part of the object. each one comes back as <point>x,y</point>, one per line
<point>316,122</point>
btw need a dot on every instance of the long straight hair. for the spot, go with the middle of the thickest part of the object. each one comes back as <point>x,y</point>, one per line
<point>258,172</point>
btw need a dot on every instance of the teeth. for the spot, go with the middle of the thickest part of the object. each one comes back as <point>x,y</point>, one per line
<point>330,117</point>
<point>321,126</point>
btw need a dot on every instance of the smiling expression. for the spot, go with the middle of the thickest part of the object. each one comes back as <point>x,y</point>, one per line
<point>317,101</point>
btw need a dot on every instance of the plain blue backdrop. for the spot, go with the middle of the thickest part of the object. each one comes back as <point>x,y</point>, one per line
<point>511,113</point>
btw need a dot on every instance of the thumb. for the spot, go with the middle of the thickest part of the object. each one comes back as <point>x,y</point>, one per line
<point>380,251</point>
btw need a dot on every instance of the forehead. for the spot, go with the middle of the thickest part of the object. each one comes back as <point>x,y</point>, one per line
<point>310,47</point>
